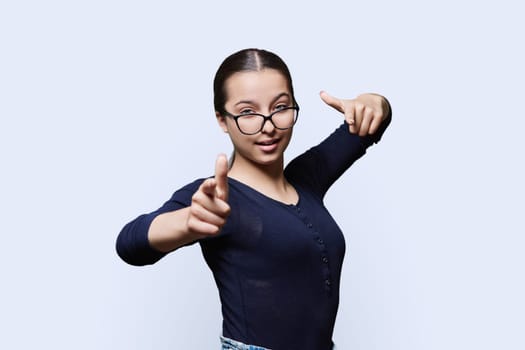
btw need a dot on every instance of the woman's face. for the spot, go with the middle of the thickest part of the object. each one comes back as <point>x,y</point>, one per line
<point>261,92</point>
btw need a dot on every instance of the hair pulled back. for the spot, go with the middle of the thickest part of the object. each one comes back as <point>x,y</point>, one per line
<point>245,61</point>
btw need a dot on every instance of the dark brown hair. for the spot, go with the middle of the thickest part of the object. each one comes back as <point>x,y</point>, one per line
<point>244,61</point>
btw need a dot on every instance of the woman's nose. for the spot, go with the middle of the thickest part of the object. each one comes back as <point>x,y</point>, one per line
<point>268,126</point>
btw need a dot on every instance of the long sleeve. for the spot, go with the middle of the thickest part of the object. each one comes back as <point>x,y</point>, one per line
<point>319,167</point>
<point>132,243</point>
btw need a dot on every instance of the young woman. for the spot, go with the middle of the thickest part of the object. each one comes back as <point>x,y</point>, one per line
<point>274,250</point>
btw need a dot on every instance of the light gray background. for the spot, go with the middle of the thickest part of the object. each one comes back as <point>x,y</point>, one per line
<point>106,109</point>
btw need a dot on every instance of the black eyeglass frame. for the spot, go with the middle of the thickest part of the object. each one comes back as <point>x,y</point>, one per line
<point>266,117</point>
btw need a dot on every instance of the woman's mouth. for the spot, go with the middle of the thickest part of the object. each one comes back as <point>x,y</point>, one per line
<point>268,145</point>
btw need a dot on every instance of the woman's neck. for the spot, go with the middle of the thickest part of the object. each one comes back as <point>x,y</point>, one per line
<point>268,179</point>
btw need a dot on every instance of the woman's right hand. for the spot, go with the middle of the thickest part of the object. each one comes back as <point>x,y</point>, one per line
<point>209,205</point>
<point>205,216</point>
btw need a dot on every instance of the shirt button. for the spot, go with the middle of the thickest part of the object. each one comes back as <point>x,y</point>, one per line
<point>327,282</point>
<point>320,240</point>
<point>325,259</point>
<point>310,225</point>
<point>298,209</point>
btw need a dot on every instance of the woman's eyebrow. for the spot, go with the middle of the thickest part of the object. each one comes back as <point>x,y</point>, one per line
<point>281,95</point>
<point>275,99</point>
<point>244,101</point>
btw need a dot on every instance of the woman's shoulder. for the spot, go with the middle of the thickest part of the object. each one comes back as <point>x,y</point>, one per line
<point>192,186</point>
<point>182,196</point>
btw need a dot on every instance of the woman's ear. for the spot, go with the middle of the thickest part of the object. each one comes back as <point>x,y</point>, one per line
<point>222,122</point>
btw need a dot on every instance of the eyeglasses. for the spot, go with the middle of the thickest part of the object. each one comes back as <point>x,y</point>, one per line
<point>252,123</point>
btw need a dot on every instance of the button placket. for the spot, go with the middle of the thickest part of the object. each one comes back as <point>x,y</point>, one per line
<point>323,253</point>
<point>326,275</point>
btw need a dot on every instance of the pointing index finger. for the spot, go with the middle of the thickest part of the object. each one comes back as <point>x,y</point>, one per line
<point>339,105</point>
<point>332,101</point>
<point>221,177</point>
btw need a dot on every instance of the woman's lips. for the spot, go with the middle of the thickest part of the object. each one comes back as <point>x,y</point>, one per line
<point>268,145</point>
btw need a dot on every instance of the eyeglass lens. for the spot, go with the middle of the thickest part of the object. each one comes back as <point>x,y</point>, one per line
<point>253,123</point>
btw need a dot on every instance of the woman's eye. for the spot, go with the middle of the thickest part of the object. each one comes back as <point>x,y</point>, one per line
<point>247,111</point>
<point>281,106</point>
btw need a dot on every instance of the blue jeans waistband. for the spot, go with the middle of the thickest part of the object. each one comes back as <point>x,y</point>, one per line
<point>230,344</point>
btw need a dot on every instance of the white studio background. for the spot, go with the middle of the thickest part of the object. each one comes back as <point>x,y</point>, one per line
<point>106,109</point>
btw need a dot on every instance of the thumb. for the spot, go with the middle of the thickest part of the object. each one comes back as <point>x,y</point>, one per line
<point>332,101</point>
<point>221,177</point>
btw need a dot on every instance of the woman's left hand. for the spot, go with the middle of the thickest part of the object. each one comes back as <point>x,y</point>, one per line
<point>363,114</point>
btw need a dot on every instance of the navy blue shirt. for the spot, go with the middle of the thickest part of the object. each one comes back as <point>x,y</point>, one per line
<point>277,266</point>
